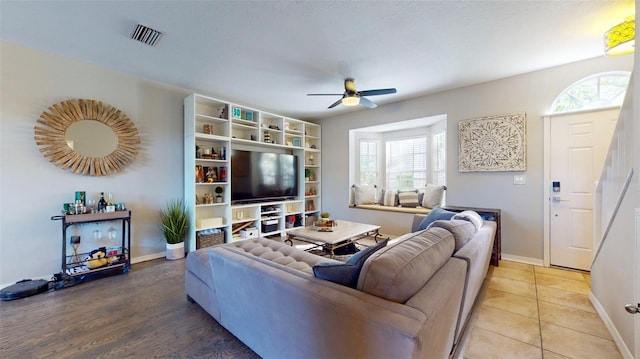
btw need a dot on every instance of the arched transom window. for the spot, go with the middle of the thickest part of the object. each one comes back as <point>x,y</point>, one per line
<point>601,90</point>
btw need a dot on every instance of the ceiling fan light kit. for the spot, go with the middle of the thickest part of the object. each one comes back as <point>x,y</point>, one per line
<point>351,101</point>
<point>352,97</point>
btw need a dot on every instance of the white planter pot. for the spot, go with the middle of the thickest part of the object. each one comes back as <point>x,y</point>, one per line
<point>175,251</point>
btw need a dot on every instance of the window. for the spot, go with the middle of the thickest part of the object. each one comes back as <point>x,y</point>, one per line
<point>402,155</point>
<point>368,162</point>
<point>598,91</point>
<point>438,159</point>
<point>406,163</point>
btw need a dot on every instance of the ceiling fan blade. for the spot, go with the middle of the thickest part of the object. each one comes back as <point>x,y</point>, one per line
<point>377,92</point>
<point>324,94</point>
<point>367,103</point>
<point>335,103</point>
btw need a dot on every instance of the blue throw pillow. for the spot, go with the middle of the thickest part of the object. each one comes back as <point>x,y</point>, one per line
<point>436,214</point>
<point>346,273</point>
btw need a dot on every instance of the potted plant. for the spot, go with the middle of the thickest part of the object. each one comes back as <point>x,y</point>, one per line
<point>219,194</point>
<point>175,223</point>
<point>307,174</point>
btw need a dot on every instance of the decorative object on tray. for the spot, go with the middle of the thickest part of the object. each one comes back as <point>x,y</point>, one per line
<point>493,143</point>
<point>325,225</point>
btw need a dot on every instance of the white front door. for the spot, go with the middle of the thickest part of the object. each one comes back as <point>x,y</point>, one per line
<point>578,147</point>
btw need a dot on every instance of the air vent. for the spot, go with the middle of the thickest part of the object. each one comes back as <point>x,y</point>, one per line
<point>146,35</point>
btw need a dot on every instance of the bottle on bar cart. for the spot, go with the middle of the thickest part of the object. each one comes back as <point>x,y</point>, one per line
<point>102,204</point>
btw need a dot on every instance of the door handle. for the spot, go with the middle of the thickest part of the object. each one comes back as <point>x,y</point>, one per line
<point>558,200</point>
<point>632,309</point>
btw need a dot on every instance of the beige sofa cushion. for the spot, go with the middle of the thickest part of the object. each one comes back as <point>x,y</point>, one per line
<point>462,230</point>
<point>398,271</point>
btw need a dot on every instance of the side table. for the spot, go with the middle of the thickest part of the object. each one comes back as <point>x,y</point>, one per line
<point>490,214</point>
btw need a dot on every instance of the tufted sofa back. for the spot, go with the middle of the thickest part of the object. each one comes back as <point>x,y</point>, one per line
<point>280,253</point>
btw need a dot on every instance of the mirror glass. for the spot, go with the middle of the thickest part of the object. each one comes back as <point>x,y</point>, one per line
<point>91,138</point>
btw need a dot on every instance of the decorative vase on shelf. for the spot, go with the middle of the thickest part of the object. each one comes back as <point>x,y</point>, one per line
<point>219,191</point>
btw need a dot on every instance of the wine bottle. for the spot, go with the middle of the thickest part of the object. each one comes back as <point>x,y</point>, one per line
<point>102,204</point>
<point>110,205</point>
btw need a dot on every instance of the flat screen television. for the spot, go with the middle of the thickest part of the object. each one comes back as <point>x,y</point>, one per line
<point>263,176</point>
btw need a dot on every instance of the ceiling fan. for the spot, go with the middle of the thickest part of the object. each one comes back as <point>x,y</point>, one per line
<point>352,97</point>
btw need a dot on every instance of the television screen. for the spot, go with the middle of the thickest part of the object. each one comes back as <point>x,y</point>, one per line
<point>260,176</point>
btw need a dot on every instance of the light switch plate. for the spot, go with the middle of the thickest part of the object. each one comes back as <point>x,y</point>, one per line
<point>519,179</point>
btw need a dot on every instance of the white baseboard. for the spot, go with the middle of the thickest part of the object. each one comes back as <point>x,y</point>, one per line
<point>147,257</point>
<point>135,260</point>
<point>617,338</point>
<point>525,260</point>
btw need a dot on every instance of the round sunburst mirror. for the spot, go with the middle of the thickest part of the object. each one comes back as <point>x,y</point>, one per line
<point>87,137</point>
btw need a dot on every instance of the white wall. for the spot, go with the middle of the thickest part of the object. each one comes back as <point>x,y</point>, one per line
<point>522,205</point>
<point>32,189</point>
<point>615,268</point>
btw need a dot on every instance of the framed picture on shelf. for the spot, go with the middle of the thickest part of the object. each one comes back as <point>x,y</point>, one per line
<point>311,206</point>
<point>199,174</point>
<point>297,142</point>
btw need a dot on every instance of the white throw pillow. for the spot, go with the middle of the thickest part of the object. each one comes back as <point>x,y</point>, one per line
<point>364,195</point>
<point>389,198</point>
<point>471,216</point>
<point>432,196</point>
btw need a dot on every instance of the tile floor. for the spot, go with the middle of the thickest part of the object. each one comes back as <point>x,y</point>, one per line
<point>528,311</point>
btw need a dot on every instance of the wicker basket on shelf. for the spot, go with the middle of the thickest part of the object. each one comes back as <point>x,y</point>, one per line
<point>208,240</point>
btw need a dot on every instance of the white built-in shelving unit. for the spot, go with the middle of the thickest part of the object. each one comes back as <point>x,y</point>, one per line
<point>219,126</point>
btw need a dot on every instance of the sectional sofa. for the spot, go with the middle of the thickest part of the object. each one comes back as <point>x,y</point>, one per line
<point>411,298</point>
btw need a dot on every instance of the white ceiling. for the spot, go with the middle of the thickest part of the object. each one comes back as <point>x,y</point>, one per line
<point>270,54</point>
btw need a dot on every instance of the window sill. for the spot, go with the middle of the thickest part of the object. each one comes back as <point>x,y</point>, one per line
<point>377,207</point>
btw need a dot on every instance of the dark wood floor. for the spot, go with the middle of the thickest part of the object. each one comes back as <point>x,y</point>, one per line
<point>142,314</point>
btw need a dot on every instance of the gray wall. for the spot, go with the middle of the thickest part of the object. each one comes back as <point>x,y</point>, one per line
<point>522,205</point>
<point>32,189</point>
